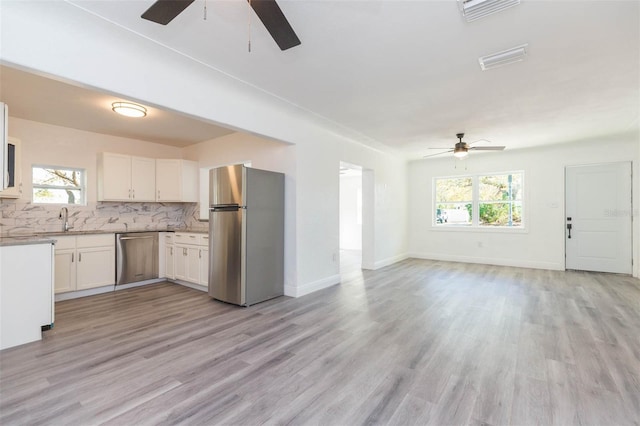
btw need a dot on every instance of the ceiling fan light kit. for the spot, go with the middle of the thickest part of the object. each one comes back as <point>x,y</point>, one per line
<point>461,149</point>
<point>129,109</point>
<point>476,9</point>
<point>504,57</point>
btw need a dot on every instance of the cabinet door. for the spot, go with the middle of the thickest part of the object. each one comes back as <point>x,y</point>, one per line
<point>114,177</point>
<point>168,180</point>
<point>204,266</point>
<point>143,179</point>
<point>65,270</point>
<point>193,264</point>
<point>180,262</point>
<point>96,267</point>
<point>169,261</point>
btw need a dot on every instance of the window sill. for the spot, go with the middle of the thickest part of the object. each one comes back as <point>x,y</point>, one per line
<point>479,229</point>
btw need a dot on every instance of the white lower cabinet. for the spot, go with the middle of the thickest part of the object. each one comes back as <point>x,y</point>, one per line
<point>204,266</point>
<point>95,267</point>
<point>170,262</point>
<point>181,262</point>
<point>84,261</point>
<point>185,257</point>
<point>65,277</point>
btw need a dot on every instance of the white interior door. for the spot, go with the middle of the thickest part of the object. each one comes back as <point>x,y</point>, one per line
<point>598,231</point>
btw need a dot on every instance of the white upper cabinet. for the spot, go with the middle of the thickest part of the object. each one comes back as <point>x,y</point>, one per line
<point>143,179</point>
<point>176,180</point>
<point>126,178</point>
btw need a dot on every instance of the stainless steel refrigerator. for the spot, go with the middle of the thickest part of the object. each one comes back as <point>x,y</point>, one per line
<point>246,235</point>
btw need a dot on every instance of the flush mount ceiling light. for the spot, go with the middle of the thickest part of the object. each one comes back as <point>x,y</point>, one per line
<point>129,109</point>
<point>509,56</point>
<point>476,9</point>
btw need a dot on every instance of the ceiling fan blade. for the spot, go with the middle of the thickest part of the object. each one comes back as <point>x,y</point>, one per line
<point>438,148</point>
<point>487,148</point>
<point>480,140</point>
<point>440,153</point>
<point>276,23</point>
<point>163,11</point>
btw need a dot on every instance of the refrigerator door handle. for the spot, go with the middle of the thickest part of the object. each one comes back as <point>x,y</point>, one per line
<point>227,208</point>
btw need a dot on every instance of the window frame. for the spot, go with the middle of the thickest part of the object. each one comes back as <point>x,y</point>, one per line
<point>475,225</point>
<point>82,188</point>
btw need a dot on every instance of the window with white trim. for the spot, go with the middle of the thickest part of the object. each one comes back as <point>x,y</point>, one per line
<point>58,185</point>
<point>482,200</point>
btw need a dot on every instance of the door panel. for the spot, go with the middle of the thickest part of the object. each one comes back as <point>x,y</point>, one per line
<point>598,211</point>
<point>225,256</point>
<point>143,179</point>
<point>95,267</point>
<point>65,271</point>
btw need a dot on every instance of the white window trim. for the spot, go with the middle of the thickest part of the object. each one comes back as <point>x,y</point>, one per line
<point>82,188</point>
<point>475,220</point>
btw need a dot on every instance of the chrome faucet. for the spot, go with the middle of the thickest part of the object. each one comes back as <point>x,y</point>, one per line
<point>64,215</point>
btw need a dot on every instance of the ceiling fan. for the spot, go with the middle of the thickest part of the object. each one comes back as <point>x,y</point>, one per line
<point>461,149</point>
<point>163,12</point>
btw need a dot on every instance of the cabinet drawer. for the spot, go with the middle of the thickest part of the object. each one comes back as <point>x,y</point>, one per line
<point>63,243</point>
<point>186,238</point>
<point>204,240</point>
<point>96,240</point>
<point>167,237</point>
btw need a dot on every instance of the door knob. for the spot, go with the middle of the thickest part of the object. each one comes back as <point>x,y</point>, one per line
<point>569,228</point>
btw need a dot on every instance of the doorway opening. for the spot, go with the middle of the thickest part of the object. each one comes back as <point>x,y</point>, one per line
<point>351,220</point>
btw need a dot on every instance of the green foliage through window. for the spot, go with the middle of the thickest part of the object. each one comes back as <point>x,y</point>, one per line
<point>497,198</point>
<point>58,185</point>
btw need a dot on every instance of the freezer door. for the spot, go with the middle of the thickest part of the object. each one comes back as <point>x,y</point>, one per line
<point>226,185</point>
<point>225,255</point>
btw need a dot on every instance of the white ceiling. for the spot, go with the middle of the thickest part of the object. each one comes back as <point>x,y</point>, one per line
<point>42,99</point>
<point>406,73</point>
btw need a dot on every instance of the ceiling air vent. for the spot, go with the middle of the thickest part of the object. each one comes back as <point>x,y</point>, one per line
<point>476,9</point>
<point>509,56</point>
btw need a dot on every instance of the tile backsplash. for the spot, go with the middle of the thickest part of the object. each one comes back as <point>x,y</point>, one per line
<point>18,217</point>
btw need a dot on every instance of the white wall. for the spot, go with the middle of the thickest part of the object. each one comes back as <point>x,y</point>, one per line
<point>541,245</point>
<point>44,38</point>
<point>61,146</point>
<point>350,229</point>
<point>262,154</point>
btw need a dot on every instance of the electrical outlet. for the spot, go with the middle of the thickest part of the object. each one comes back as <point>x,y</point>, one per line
<point>335,257</point>
<point>480,244</point>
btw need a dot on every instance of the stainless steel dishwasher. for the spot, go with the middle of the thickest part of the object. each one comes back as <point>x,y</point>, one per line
<point>136,257</point>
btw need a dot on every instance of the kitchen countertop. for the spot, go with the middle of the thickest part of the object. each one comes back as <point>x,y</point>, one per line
<point>25,240</point>
<point>44,237</point>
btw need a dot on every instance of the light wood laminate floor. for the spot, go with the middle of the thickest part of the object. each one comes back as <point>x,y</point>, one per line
<point>419,342</point>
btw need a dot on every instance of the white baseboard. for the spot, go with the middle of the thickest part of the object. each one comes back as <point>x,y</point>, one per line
<point>106,289</point>
<point>83,293</point>
<point>301,290</point>
<point>518,263</point>
<point>188,284</point>
<point>389,261</point>
<point>139,283</point>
